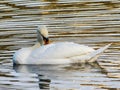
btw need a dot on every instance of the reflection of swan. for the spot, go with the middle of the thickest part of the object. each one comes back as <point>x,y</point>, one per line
<point>57,76</point>
<point>52,71</point>
<point>55,53</point>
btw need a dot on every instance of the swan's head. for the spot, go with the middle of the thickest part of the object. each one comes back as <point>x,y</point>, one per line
<point>42,35</point>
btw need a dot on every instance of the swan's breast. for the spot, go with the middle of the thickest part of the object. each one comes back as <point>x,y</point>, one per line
<point>21,55</point>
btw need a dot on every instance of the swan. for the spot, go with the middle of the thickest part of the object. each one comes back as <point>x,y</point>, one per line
<point>44,52</point>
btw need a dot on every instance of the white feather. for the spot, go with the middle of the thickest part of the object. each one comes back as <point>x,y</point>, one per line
<point>57,53</point>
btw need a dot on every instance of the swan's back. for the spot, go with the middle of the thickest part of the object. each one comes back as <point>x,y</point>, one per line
<point>60,50</point>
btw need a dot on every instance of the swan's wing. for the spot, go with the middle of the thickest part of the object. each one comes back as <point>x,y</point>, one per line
<point>94,55</point>
<point>90,57</point>
<point>61,50</point>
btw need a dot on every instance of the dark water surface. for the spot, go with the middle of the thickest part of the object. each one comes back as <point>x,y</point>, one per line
<point>91,22</point>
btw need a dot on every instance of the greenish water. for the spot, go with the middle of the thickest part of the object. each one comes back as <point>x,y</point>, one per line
<point>91,22</point>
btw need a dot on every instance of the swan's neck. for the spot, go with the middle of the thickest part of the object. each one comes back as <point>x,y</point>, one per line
<point>37,45</point>
<point>40,37</point>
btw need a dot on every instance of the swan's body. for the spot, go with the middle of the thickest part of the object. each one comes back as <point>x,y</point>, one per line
<point>57,53</point>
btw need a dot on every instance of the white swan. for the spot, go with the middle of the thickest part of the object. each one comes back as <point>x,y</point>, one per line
<point>55,53</point>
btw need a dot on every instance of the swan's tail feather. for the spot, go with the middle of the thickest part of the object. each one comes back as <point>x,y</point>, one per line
<point>95,54</point>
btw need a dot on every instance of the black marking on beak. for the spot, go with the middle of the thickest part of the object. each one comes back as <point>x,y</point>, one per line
<point>46,40</point>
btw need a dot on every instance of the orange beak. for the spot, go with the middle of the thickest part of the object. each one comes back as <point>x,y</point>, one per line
<point>46,40</point>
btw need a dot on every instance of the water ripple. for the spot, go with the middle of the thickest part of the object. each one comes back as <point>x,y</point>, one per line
<point>91,22</point>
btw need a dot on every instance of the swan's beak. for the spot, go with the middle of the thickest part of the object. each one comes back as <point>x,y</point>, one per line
<point>46,40</point>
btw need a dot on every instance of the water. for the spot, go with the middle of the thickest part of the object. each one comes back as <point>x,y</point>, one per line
<point>91,22</point>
